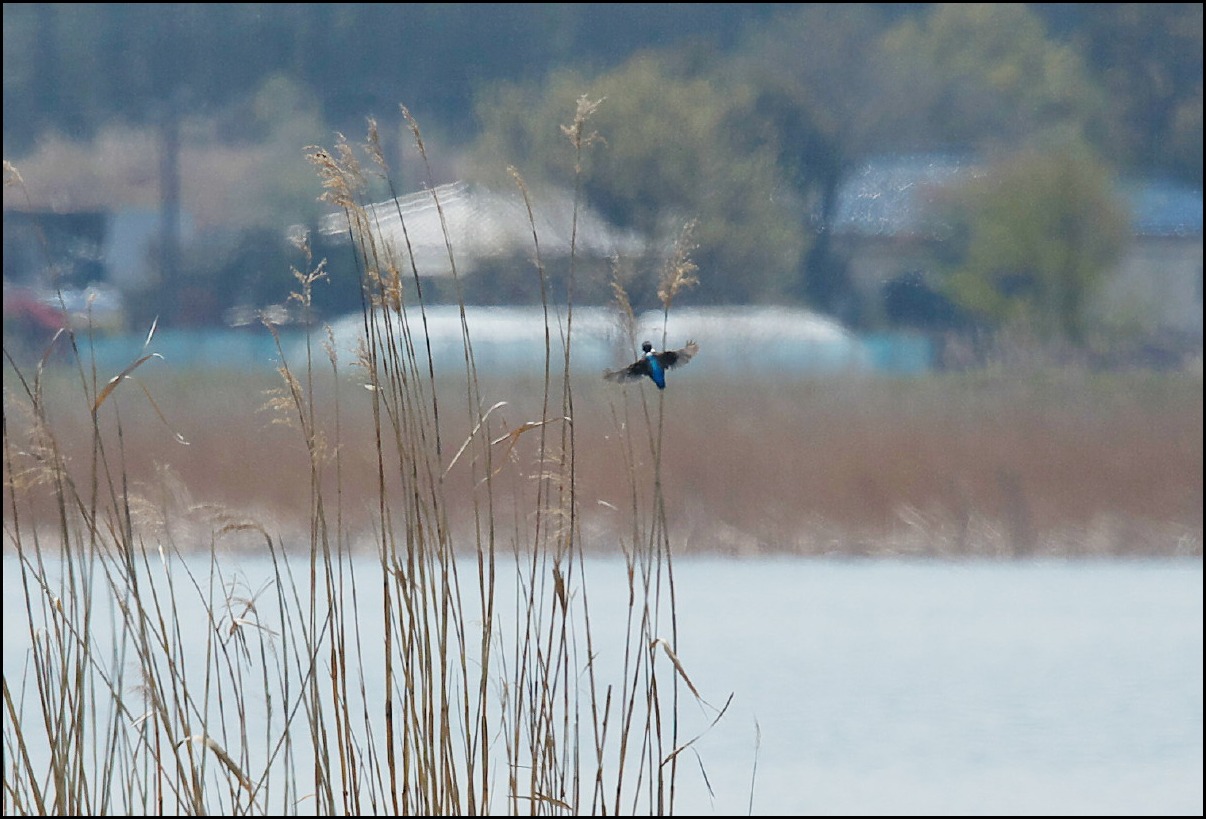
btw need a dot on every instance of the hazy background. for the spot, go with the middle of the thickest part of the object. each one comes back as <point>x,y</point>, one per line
<point>184,125</point>
<point>1007,193</point>
<point>949,307</point>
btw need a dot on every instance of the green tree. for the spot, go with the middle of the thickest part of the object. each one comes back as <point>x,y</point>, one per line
<point>981,76</point>
<point>675,146</point>
<point>1030,240</point>
<point>811,82</point>
<point>1148,57</point>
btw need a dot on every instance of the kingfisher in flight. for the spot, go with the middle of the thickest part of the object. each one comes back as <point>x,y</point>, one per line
<point>654,364</point>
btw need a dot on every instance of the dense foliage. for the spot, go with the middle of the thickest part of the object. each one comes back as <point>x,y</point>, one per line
<point>745,118</point>
<point>74,67</point>
<point>1030,240</point>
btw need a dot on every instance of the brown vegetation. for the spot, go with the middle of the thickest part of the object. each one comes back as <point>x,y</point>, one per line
<point>969,464</point>
<point>492,698</point>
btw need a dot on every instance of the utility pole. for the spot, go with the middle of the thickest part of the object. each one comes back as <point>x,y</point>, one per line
<point>169,205</point>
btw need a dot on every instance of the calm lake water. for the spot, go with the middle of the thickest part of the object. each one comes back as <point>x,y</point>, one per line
<point>915,687</point>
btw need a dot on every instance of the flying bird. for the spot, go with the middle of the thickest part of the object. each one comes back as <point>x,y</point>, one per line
<point>654,364</point>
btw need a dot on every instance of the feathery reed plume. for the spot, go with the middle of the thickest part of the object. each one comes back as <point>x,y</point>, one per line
<point>576,131</point>
<point>679,271</point>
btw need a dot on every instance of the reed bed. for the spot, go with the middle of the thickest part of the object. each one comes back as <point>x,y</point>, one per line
<point>976,464</point>
<point>457,677</point>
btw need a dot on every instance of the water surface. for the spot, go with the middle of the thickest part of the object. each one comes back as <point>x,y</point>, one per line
<point>913,687</point>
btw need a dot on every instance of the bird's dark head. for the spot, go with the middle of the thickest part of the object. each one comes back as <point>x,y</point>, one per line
<point>647,347</point>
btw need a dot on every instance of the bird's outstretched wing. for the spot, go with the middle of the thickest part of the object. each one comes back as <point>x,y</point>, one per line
<point>679,357</point>
<point>637,370</point>
<point>640,368</point>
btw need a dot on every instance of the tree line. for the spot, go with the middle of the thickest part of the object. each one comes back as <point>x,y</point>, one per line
<point>744,117</point>
<point>72,67</point>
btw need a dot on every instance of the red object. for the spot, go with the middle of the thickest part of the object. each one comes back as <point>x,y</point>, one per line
<point>23,306</point>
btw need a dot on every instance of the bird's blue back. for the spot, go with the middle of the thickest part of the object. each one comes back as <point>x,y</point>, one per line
<point>656,372</point>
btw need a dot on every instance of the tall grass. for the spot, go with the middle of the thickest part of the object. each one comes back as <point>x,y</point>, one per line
<point>461,676</point>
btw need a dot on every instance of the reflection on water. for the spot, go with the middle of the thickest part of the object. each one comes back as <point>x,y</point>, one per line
<point>913,687</point>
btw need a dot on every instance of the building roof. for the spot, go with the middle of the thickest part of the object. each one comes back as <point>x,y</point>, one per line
<point>1160,208</point>
<point>484,224</point>
<point>892,197</point>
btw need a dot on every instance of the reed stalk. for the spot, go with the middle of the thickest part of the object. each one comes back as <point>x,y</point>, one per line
<point>456,675</point>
